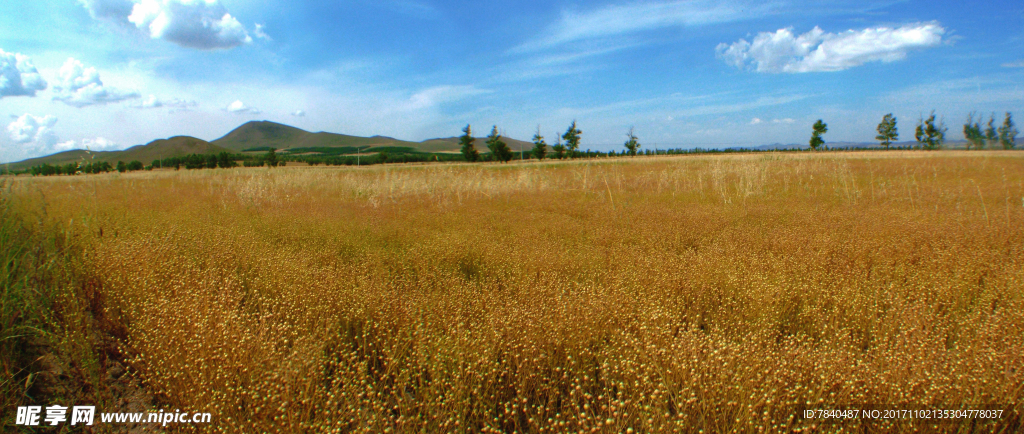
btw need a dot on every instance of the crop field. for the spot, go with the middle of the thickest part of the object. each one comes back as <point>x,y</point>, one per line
<point>662,294</point>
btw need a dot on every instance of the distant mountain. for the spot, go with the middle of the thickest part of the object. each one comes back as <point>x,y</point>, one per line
<point>260,134</point>
<point>177,146</point>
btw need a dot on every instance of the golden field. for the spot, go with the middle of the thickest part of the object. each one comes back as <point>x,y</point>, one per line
<point>656,294</point>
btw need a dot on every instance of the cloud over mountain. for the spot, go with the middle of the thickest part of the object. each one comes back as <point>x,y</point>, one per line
<point>817,51</point>
<point>239,107</point>
<point>18,76</point>
<point>80,86</point>
<point>201,24</point>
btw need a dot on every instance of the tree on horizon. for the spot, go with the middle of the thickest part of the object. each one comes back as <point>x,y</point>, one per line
<point>540,149</point>
<point>928,135</point>
<point>1008,133</point>
<point>499,149</point>
<point>466,144</point>
<point>559,149</point>
<point>819,128</point>
<point>632,144</point>
<point>572,139</point>
<point>973,134</point>
<point>887,131</point>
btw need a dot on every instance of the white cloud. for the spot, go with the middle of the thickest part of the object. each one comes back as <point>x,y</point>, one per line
<point>442,94</point>
<point>783,121</point>
<point>260,34</point>
<point>299,113</point>
<point>114,10</point>
<point>175,105</point>
<point>202,24</point>
<point>239,107</point>
<point>18,76</point>
<point>817,51</point>
<point>79,86</point>
<point>616,20</point>
<point>755,121</point>
<point>28,128</point>
<point>1018,64</point>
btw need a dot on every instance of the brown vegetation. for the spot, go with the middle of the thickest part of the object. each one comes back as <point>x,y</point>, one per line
<point>720,293</point>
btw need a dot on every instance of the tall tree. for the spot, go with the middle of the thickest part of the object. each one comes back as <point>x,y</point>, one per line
<point>929,135</point>
<point>559,149</point>
<point>887,131</point>
<point>973,134</point>
<point>572,139</point>
<point>121,167</point>
<point>540,149</point>
<point>819,129</point>
<point>632,144</point>
<point>466,143</point>
<point>990,132</point>
<point>271,157</point>
<point>1008,133</point>
<point>499,149</point>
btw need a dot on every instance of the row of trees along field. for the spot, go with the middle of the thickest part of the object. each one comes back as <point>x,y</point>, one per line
<point>930,135</point>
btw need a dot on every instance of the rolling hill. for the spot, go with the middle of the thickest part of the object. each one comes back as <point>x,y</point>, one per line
<point>258,134</point>
<point>177,146</point>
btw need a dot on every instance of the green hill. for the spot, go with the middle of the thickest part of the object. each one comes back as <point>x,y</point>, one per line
<point>263,134</point>
<point>178,146</point>
<point>257,137</point>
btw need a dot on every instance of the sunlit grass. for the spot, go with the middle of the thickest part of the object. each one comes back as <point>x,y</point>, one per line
<point>652,294</point>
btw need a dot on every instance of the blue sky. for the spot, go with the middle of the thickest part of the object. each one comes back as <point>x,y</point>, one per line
<point>109,74</point>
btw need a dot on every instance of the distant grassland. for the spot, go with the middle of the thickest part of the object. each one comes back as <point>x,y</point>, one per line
<point>716,293</point>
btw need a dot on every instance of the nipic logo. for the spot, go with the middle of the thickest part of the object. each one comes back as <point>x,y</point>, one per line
<point>55,414</point>
<point>35,415</point>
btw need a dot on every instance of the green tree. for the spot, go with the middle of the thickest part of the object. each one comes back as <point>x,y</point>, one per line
<point>819,129</point>
<point>632,144</point>
<point>499,149</point>
<point>382,156</point>
<point>155,164</point>
<point>930,136</point>
<point>224,160</point>
<point>973,134</point>
<point>271,157</point>
<point>887,131</point>
<point>135,165</point>
<point>559,149</point>
<point>1008,133</point>
<point>121,167</point>
<point>540,149</point>
<point>572,139</point>
<point>469,151</point>
<point>990,132</point>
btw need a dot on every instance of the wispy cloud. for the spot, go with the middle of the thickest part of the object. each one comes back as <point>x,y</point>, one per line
<point>817,51</point>
<point>618,20</point>
<point>959,93</point>
<point>442,94</point>
<point>1018,64</point>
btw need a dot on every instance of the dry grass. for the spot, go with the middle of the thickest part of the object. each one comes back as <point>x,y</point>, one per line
<point>657,294</point>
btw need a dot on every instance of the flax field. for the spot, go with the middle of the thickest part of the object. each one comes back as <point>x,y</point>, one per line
<point>684,294</point>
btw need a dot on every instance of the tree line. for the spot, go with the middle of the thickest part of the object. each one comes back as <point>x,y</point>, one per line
<point>931,135</point>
